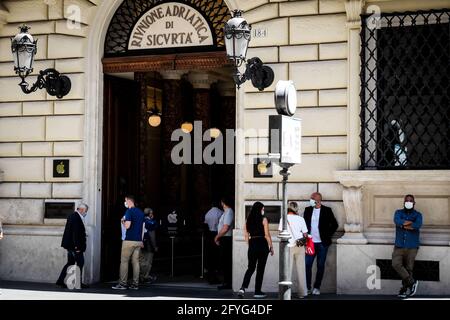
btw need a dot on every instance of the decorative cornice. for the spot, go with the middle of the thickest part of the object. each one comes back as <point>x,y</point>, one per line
<point>196,61</point>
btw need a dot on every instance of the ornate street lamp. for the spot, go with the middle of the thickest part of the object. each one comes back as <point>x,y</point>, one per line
<point>24,48</point>
<point>237,37</point>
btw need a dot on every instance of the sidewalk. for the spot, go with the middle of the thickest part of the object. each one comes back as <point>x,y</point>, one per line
<point>157,291</point>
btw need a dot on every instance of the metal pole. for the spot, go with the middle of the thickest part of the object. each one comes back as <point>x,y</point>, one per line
<point>203,250</point>
<point>285,276</point>
<point>172,238</point>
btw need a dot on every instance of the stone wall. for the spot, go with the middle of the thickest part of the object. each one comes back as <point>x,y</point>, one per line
<point>37,128</point>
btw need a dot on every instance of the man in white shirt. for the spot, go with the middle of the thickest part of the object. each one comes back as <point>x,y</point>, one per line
<point>322,225</point>
<point>297,229</point>
<point>212,218</point>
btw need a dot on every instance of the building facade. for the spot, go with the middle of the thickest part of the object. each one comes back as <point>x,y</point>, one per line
<point>328,48</point>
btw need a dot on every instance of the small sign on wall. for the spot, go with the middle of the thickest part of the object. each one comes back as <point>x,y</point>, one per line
<point>61,168</point>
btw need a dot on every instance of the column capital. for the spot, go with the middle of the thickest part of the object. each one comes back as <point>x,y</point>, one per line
<point>201,80</point>
<point>354,8</point>
<point>227,89</point>
<point>172,74</point>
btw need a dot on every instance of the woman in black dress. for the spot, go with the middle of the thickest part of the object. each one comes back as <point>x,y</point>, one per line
<point>259,242</point>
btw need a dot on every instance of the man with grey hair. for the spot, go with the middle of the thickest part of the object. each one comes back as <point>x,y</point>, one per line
<point>74,241</point>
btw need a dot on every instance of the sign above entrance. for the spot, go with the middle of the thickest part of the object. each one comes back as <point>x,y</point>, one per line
<point>170,25</point>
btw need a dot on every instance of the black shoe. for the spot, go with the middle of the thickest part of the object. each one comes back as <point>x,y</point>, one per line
<point>84,286</point>
<point>224,287</point>
<point>403,292</point>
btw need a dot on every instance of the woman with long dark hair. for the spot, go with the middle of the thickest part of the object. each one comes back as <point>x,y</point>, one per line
<point>257,236</point>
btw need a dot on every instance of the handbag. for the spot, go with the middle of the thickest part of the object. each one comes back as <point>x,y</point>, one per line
<point>309,249</point>
<point>298,242</point>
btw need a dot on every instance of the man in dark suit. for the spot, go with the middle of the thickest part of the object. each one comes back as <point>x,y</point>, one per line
<point>321,225</point>
<point>74,241</point>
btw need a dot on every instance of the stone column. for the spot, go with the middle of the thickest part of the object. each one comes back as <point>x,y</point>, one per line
<point>201,84</point>
<point>172,117</point>
<point>353,9</point>
<point>227,92</point>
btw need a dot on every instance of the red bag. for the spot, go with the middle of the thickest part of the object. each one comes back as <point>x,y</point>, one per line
<point>309,248</point>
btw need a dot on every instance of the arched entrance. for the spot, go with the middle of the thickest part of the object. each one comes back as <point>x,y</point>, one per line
<point>163,57</point>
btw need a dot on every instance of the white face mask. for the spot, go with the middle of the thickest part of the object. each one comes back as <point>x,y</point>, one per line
<point>409,205</point>
<point>312,202</point>
<point>262,212</point>
<point>126,204</point>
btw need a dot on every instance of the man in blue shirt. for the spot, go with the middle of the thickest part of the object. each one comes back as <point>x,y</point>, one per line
<point>131,246</point>
<point>407,232</point>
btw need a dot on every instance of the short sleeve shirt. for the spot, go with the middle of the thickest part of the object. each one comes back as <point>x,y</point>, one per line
<point>296,227</point>
<point>136,216</point>
<point>227,218</point>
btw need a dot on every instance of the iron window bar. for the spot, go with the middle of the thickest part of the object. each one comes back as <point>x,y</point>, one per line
<point>405,90</point>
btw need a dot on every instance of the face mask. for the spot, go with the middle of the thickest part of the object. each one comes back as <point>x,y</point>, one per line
<point>126,204</point>
<point>409,205</point>
<point>262,212</point>
<point>312,202</point>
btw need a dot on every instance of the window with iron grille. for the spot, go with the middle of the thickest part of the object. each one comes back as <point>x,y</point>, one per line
<point>405,90</point>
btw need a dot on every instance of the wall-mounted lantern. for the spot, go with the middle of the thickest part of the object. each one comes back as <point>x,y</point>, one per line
<point>24,48</point>
<point>237,38</point>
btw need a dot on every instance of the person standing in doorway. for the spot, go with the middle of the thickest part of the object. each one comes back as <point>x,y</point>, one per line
<point>212,218</point>
<point>257,235</point>
<point>407,233</point>
<point>74,241</point>
<point>131,246</point>
<point>150,248</point>
<point>322,224</point>
<point>224,240</point>
<point>298,231</point>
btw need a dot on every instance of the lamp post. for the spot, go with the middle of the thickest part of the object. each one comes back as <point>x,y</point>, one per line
<point>285,148</point>
<point>237,37</point>
<point>24,48</point>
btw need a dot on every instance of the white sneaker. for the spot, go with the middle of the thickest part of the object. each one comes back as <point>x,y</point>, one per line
<point>241,292</point>
<point>316,292</point>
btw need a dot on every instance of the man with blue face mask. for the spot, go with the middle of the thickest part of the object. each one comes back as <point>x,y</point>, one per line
<point>407,232</point>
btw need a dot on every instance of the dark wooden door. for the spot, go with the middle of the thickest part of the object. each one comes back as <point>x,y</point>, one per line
<point>120,165</point>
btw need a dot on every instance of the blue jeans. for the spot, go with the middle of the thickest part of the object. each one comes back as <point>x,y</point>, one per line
<point>321,253</point>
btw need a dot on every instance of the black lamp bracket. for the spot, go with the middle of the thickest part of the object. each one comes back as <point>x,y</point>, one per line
<point>56,84</point>
<point>262,76</point>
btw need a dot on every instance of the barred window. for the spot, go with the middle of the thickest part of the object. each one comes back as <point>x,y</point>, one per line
<point>405,90</point>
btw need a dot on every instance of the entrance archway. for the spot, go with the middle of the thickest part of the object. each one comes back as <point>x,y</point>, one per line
<point>94,124</point>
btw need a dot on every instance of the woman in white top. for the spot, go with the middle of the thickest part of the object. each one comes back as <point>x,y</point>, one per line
<point>297,229</point>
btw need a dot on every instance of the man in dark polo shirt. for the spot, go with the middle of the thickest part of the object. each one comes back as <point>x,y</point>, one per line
<point>131,246</point>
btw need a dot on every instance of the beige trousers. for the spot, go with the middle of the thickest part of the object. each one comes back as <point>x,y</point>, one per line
<point>130,250</point>
<point>298,263</point>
